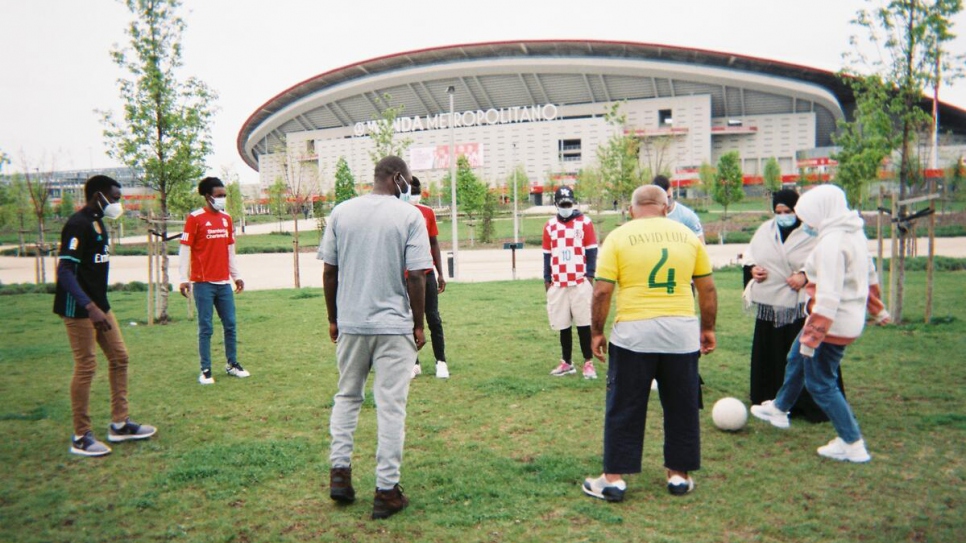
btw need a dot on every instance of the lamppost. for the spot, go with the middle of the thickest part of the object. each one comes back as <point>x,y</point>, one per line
<point>516,224</point>
<point>451,90</point>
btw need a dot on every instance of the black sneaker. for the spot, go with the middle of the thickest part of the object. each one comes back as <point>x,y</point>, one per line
<point>340,485</point>
<point>388,502</point>
<point>130,431</point>
<point>236,370</point>
<point>88,446</point>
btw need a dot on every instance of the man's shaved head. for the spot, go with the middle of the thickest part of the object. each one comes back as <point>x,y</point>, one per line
<point>649,195</point>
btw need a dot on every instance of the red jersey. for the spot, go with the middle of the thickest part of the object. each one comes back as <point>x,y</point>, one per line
<point>567,244</point>
<point>208,235</point>
<point>431,227</point>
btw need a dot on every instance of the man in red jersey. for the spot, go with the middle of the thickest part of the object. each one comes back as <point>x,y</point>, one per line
<point>208,250</point>
<point>435,285</point>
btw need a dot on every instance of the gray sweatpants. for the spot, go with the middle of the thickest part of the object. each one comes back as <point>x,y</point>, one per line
<point>392,358</point>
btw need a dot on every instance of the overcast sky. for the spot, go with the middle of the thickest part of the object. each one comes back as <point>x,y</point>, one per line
<point>56,68</point>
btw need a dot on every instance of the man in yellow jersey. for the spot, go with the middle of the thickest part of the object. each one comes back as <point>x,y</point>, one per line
<point>652,261</point>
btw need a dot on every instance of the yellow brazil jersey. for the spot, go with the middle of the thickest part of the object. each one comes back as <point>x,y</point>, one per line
<point>652,261</point>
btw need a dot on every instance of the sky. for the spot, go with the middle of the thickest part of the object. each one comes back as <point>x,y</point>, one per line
<point>56,68</point>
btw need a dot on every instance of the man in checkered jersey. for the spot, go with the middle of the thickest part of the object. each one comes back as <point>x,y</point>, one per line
<point>569,261</point>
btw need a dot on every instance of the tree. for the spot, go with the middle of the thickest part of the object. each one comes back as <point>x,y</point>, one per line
<point>277,196</point>
<point>866,140</point>
<point>345,182</point>
<point>490,202</point>
<point>913,36</point>
<point>772,176</point>
<point>706,174</point>
<point>38,189</point>
<point>590,188</point>
<point>66,207</point>
<point>164,131</point>
<point>727,187</point>
<point>519,178</point>
<point>618,158</point>
<point>383,133</point>
<point>470,191</point>
<point>235,200</point>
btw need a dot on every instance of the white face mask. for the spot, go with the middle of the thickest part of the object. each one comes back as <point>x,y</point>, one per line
<point>565,212</point>
<point>404,193</point>
<point>112,211</point>
<point>219,203</point>
<point>414,199</point>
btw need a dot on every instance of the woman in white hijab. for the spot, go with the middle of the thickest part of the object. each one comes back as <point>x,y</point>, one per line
<point>775,287</point>
<point>838,273</point>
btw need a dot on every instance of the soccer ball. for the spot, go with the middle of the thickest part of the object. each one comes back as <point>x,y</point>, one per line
<point>729,414</point>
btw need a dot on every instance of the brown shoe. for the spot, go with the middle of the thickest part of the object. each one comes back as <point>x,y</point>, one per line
<point>340,485</point>
<point>388,502</point>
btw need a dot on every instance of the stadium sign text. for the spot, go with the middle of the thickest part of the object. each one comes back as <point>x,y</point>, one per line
<point>479,117</point>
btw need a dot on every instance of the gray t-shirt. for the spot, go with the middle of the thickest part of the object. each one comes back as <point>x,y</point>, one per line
<point>373,239</point>
<point>674,335</point>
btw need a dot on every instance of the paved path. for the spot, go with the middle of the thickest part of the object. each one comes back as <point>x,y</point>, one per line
<point>273,271</point>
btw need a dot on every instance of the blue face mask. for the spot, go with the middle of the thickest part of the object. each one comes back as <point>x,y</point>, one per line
<point>809,230</point>
<point>785,220</point>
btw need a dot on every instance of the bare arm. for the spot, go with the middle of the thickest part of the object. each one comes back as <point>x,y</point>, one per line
<point>330,286</point>
<point>599,309</point>
<point>708,303</point>
<point>416,285</point>
<point>438,263</point>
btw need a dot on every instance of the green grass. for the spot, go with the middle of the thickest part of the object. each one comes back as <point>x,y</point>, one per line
<point>496,453</point>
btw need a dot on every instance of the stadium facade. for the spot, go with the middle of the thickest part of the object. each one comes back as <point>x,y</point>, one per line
<point>541,105</point>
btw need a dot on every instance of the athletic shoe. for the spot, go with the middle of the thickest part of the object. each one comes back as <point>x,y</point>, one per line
<point>837,449</point>
<point>130,431</point>
<point>601,489</point>
<point>388,502</point>
<point>589,371</point>
<point>563,369</point>
<point>442,370</point>
<point>236,370</point>
<point>768,412</point>
<point>679,486</point>
<point>205,378</point>
<point>654,385</point>
<point>417,371</point>
<point>88,446</point>
<point>340,485</point>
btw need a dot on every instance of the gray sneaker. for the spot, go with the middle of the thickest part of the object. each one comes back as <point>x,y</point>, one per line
<point>130,431</point>
<point>87,445</point>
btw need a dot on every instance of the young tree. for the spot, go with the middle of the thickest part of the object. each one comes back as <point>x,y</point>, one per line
<point>727,187</point>
<point>590,188</point>
<point>867,140</point>
<point>38,188</point>
<point>345,183</point>
<point>772,176</point>
<point>235,200</point>
<point>914,36</point>
<point>384,133</point>
<point>470,191</point>
<point>277,200</point>
<point>66,207</point>
<point>618,158</point>
<point>706,173</point>
<point>488,212</point>
<point>164,131</point>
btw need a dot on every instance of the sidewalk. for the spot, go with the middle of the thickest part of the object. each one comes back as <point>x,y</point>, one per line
<point>275,270</point>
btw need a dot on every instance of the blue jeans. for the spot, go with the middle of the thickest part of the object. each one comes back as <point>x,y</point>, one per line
<point>210,296</point>
<point>819,374</point>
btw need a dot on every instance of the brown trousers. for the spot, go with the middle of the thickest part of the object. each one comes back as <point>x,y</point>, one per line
<point>83,339</point>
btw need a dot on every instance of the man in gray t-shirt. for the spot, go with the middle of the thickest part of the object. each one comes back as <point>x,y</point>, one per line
<point>375,252</point>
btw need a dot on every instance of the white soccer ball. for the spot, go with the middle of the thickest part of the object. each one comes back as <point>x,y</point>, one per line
<point>729,414</point>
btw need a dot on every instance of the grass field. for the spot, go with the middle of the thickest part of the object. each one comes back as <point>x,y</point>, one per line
<point>496,453</point>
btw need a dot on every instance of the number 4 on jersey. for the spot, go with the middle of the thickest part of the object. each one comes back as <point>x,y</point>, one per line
<point>652,279</point>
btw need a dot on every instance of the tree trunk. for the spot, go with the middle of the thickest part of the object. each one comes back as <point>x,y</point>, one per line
<point>41,249</point>
<point>295,252</point>
<point>163,247</point>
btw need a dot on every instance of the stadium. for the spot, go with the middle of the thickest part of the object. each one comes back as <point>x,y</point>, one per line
<point>541,105</point>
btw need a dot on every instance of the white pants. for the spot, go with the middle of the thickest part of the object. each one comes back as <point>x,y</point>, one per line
<point>392,358</point>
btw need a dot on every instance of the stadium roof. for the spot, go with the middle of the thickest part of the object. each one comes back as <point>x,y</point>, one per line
<point>563,72</point>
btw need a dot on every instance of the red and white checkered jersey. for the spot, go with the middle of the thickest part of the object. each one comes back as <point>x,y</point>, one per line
<point>567,244</point>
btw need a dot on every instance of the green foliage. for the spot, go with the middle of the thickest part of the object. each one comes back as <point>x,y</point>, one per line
<point>234,205</point>
<point>345,182</point>
<point>727,187</point>
<point>470,190</point>
<point>489,211</point>
<point>66,207</point>
<point>590,188</point>
<point>618,158</point>
<point>519,178</point>
<point>772,175</point>
<point>867,140</point>
<point>277,203</point>
<point>384,133</point>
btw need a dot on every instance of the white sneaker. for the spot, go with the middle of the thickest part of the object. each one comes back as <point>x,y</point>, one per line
<point>654,385</point>
<point>417,370</point>
<point>442,371</point>
<point>837,449</point>
<point>599,488</point>
<point>589,371</point>
<point>205,378</point>
<point>236,370</point>
<point>768,412</point>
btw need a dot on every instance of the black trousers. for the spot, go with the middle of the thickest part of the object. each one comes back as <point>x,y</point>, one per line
<point>433,319</point>
<point>629,376</point>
